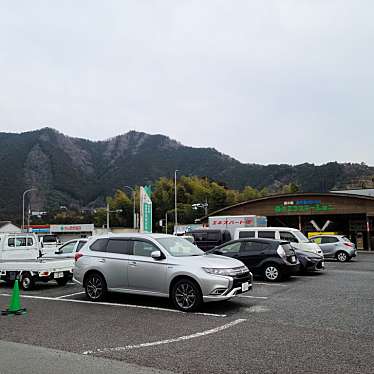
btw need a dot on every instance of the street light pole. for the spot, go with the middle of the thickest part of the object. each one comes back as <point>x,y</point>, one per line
<point>175,199</point>
<point>107,215</point>
<point>23,206</point>
<point>134,211</point>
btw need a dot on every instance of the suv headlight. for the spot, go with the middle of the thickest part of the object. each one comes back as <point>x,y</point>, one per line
<point>231,272</point>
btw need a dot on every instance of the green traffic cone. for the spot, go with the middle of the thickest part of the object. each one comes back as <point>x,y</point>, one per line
<point>15,302</point>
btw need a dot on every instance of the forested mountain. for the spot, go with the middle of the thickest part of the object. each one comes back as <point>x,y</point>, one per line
<point>81,173</point>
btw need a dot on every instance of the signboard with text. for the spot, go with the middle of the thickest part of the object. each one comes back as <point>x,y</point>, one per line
<point>145,209</point>
<point>303,206</point>
<point>86,227</point>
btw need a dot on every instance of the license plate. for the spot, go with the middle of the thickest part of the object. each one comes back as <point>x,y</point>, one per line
<point>59,274</point>
<point>293,258</point>
<point>323,264</point>
<point>245,286</point>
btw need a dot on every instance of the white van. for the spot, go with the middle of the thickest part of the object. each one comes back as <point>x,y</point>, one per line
<point>294,236</point>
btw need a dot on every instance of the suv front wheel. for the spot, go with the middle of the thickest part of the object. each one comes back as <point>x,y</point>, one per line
<point>186,295</point>
<point>95,287</point>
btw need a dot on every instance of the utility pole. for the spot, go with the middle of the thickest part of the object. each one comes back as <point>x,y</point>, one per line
<point>23,206</point>
<point>107,215</point>
<point>175,199</point>
<point>166,222</point>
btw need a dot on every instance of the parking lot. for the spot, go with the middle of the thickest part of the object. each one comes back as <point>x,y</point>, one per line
<point>321,322</point>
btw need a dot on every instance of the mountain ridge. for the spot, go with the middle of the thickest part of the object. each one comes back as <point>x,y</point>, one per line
<point>78,172</point>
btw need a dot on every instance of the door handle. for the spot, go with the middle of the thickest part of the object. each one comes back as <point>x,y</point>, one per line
<point>132,263</point>
<point>102,260</point>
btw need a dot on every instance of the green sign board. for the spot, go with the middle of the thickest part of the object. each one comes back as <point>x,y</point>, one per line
<point>145,209</point>
<point>315,208</point>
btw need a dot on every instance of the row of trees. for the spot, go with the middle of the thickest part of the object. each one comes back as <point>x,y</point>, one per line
<point>190,190</point>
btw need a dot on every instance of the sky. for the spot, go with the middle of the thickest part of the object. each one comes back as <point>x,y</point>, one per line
<point>287,81</point>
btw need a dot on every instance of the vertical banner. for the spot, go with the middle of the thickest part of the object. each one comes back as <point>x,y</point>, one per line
<point>145,209</point>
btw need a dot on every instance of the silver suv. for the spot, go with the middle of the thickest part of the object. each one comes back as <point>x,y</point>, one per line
<point>158,265</point>
<point>335,246</point>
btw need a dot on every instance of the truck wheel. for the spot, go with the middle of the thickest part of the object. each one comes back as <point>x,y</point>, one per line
<point>62,281</point>
<point>27,281</point>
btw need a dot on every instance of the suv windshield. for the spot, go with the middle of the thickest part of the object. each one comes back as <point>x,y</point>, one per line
<point>179,247</point>
<point>301,236</point>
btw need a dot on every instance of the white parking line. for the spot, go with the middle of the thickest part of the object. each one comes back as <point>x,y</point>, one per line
<point>270,284</point>
<point>72,294</point>
<point>117,305</point>
<point>253,297</point>
<point>167,341</point>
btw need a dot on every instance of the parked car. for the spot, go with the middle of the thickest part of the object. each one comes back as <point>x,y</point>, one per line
<point>68,249</point>
<point>335,246</point>
<point>20,259</point>
<point>158,265</point>
<point>207,239</point>
<point>297,239</point>
<point>269,258</point>
<point>310,261</point>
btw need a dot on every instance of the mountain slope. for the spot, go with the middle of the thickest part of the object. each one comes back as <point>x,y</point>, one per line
<point>78,172</point>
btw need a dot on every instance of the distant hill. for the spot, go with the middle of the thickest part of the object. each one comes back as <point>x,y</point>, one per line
<point>78,172</point>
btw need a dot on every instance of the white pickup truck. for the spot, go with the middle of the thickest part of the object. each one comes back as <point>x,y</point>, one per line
<point>21,258</point>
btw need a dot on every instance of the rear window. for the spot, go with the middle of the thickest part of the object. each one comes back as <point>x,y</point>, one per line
<point>345,239</point>
<point>246,234</point>
<point>50,239</point>
<point>254,246</point>
<point>20,242</point>
<point>118,246</point>
<point>330,239</point>
<point>99,245</point>
<point>266,234</point>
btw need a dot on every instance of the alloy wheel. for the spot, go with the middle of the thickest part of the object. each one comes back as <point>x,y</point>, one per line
<point>342,257</point>
<point>94,287</point>
<point>271,273</point>
<point>185,296</point>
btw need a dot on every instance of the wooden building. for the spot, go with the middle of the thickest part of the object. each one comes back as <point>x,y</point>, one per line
<point>343,213</point>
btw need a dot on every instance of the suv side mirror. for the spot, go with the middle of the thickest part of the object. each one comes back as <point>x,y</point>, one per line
<point>156,255</point>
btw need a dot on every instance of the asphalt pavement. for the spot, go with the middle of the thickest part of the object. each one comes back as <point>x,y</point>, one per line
<point>317,323</point>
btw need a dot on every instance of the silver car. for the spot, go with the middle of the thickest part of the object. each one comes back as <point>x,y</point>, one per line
<point>335,246</point>
<point>158,265</point>
<point>68,249</point>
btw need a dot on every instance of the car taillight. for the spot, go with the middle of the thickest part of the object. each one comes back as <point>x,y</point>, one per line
<point>77,256</point>
<point>348,244</point>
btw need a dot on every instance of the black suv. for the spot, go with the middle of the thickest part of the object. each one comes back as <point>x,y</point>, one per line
<point>207,239</point>
<point>271,259</point>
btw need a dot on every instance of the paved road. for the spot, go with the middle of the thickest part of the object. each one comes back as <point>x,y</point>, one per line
<point>309,324</point>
